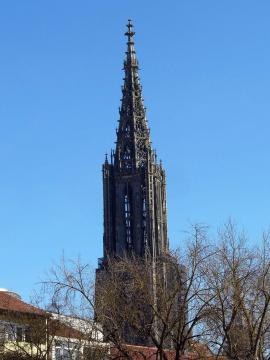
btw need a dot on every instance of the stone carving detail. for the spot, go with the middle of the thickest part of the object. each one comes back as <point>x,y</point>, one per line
<point>133,135</point>
<point>135,219</point>
<point>132,201</point>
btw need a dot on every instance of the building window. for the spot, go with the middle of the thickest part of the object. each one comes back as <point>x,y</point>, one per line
<point>19,334</point>
<point>128,219</point>
<point>144,223</point>
<point>12,332</point>
<point>127,161</point>
<point>127,131</point>
<point>27,335</point>
<point>2,335</point>
<point>67,351</point>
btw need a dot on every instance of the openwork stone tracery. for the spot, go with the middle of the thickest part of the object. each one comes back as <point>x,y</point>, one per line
<point>135,218</point>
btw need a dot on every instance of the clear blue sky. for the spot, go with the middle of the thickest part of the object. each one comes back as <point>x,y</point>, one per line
<point>205,71</point>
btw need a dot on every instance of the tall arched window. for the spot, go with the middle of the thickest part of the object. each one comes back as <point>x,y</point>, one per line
<point>128,219</point>
<point>127,161</point>
<point>144,219</point>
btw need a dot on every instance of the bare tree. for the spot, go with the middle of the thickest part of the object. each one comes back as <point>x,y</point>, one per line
<point>164,310</point>
<point>238,279</point>
<point>172,319</point>
<point>71,290</point>
<point>186,328</point>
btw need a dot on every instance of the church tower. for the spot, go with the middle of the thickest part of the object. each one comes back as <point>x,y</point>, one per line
<point>134,185</point>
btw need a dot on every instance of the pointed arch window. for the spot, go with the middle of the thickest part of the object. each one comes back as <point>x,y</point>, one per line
<point>127,131</point>
<point>128,218</point>
<point>144,218</point>
<point>127,158</point>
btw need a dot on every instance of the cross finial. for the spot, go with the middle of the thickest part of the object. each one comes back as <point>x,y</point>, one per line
<point>130,33</point>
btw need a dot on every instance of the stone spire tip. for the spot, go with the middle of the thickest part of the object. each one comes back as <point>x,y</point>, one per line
<point>130,33</point>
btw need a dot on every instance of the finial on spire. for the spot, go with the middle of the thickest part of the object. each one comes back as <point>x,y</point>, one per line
<point>130,33</point>
<point>131,54</point>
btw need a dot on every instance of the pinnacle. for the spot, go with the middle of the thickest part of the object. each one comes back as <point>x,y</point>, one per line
<point>133,142</point>
<point>129,33</point>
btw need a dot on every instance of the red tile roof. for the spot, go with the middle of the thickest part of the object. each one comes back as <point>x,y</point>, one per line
<point>9,302</point>
<point>56,328</point>
<point>149,353</point>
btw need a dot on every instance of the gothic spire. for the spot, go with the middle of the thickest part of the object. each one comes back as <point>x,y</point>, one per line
<point>131,54</point>
<point>133,142</point>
